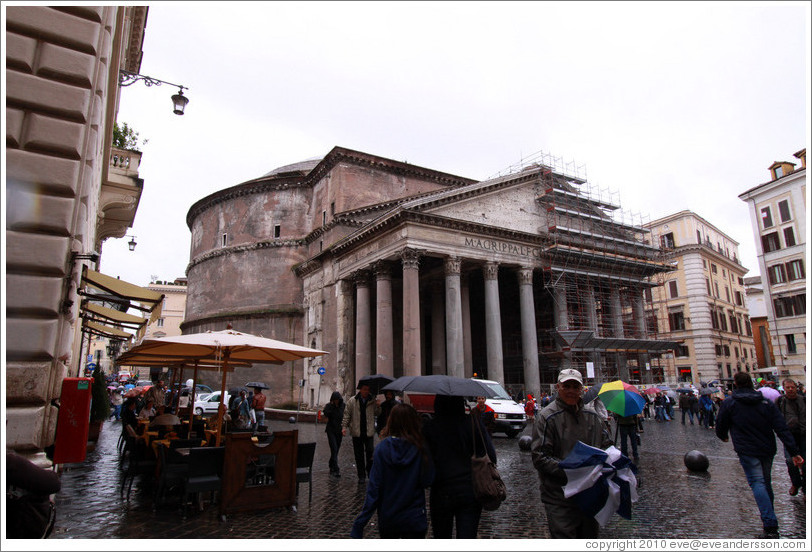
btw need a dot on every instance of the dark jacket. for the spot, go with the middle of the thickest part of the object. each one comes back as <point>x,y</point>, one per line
<point>794,412</point>
<point>396,488</point>
<point>386,408</point>
<point>751,419</point>
<point>450,438</point>
<point>334,414</point>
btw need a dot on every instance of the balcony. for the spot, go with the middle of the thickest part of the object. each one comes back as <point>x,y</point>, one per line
<point>120,194</point>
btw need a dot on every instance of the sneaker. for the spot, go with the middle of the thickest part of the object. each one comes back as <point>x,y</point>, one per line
<point>793,491</point>
<point>770,533</point>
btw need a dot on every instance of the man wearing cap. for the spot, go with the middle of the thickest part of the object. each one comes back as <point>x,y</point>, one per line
<point>557,428</point>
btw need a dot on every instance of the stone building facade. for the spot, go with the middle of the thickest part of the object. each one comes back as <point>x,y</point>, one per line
<point>67,191</point>
<point>702,304</point>
<point>401,270</point>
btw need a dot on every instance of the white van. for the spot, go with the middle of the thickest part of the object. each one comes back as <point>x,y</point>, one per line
<point>509,417</point>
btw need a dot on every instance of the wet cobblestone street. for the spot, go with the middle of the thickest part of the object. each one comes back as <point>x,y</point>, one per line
<point>674,503</point>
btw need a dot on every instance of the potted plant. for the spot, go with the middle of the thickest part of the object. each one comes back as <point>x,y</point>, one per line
<point>99,406</point>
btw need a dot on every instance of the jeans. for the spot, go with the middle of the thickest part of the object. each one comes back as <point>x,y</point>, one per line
<point>690,415</point>
<point>334,442</point>
<point>628,432</point>
<point>758,473</point>
<point>260,414</point>
<point>363,448</point>
<point>117,411</point>
<point>448,507</point>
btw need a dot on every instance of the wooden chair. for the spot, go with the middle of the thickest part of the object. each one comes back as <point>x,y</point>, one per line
<point>304,466</point>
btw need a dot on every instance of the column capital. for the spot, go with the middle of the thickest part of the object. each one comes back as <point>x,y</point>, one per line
<point>452,266</point>
<point>525,275</point>
<point>360,278</point>
<point>410,258</point>
<point>491,270</point>
<point>382,270</point>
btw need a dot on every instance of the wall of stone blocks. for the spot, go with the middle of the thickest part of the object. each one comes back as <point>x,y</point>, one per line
<point>57,74</point>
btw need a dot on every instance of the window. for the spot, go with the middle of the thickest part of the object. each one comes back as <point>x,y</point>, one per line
<point>791,305</point>
<point>682,351</point>
<point>718,350</point>
<point>277,231</point>
<point>727,350</point>
<point>647,295</point>
<point>672,289</point>
<point>795,270</point>
<point>722,321</point>
<point>225,240</point>
<point>735,352</point>
<point>698,237</point>
<point>789,236</point>
<point>714,319</point>
<point>724,273</point>
<point>733,324</point>
<point>766,218</point>
<point>791,348</point>
<point>738,297</point>
<point>727,294</point>
<point>783,210</point>
<point>748,327</point>
<point>770,242</point>
<point>676,321</point>
<point>160,323</point>
<point>707,284</point>
<point>667,241</point>
<point>713,268</point>
<point>779,171</point>
<point>704,264</point>
<point>323,218</point>
<point>651,323</point>
<point>744,352</point>
<point>741,281</point>
<point>332,208</point>
<point>716,289</point>
<point>777,274</point>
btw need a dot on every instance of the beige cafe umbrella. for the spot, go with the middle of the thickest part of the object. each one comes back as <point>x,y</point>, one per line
<point>227,347</point>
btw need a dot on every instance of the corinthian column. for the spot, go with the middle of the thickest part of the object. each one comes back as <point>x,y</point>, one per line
<point>363,326</point>
<point>455,356</point>
<point>493,324</point>
<point>530,348</point>
<point>384,344</point>
<point>438,355</point>
<point>411,312</point>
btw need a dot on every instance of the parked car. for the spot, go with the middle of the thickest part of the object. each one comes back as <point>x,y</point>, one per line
<point>509,417</point>
<point>207,404</point>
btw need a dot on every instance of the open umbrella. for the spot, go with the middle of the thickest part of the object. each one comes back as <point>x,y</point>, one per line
<point>601,482</point>
<point>440,385</point>
<point>256,385</point>
<point>591,393</point>
<point>769,393</point>
<point>708,390</point>
<point>685,390</point>
<point>622,398</point>
<point>226,347</point>
<point>375,382</point>
<point>651,390</point>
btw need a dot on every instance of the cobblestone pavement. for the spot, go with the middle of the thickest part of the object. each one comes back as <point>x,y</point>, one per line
<point>674,503</point>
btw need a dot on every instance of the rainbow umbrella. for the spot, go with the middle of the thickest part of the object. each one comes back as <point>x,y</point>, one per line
<point>622,398</point>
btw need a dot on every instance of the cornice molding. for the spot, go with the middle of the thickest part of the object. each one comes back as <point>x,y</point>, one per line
<point>225,251</point>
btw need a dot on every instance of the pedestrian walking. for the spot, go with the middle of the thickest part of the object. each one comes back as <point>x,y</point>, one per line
<point>793,406</point>
<point>626,426</point>
<point>401,471</point>
<point>530,408</point>
<point>449,436</point>
<point>386,407</point>
<point>359,419</point>
<point>659,408</point>
<point>684,407</point>
<point>258,406</point>
<point>334,412</point>
<point>751,421</point>
<point>485,414</point>
<point>557,429</point>
<point>117,400</point>
<point>241,414</point>
<point>707,408</point>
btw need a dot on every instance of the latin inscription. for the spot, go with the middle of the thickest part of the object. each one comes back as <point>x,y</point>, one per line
<point>503,247</point>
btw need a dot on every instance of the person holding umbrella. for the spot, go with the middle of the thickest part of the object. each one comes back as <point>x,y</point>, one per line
<point>359,418</point>
<point>556,431</point>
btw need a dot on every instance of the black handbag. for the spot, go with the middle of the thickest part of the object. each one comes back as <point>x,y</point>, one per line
<point>489,489</point>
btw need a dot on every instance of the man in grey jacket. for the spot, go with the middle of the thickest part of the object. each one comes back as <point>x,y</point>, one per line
<point>558,427</point>
<point>359,418</point>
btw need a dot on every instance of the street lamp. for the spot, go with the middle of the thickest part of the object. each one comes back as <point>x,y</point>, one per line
<point>131,244</point>
<point>179,101</point>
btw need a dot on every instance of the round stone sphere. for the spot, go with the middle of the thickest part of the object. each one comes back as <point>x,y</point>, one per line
<point>292,419</point>
<point>524,442</point>
<point>696,461</point>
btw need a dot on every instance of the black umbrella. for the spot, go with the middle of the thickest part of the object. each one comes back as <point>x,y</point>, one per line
<point>591,393</point>
<point>685,390</point>
<point>441,385</point>
<point>256,385</point>
<point>708,390</point>
<point>375,382</point>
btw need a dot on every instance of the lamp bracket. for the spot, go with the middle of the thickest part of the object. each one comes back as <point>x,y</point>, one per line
<point>126,78</point>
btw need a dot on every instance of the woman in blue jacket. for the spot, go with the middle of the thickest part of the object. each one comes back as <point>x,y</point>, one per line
<point>401,471</point>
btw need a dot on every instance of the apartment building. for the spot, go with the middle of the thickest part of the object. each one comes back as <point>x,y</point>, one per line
<point>701,304</point>
<point>778,216</point>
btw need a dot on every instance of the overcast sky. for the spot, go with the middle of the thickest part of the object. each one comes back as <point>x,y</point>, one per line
<point>671,106</point>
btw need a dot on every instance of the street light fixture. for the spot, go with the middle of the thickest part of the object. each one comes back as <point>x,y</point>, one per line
<point>179,101</point>
<point>131,244</point>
